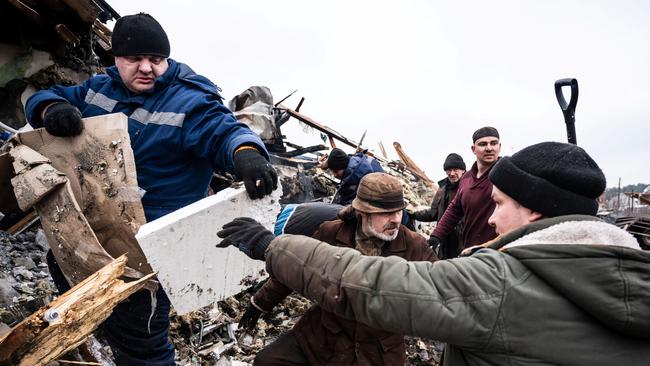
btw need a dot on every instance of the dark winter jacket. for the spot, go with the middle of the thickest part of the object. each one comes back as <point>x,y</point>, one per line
<point>474,205</point>
<point>180,131</point>
<point>328,339</point>
<point>570,290</point>
<point>358,166</point>
<point>451,243</point>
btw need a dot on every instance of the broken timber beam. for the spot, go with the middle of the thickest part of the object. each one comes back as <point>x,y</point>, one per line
<point>66,322</point>
<point>330,133</point>
<point>410,164</point>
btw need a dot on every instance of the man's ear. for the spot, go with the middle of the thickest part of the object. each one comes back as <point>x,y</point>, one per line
<point>534,216</point>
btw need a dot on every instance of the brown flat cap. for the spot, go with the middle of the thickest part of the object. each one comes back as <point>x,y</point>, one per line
<point>379,192</point>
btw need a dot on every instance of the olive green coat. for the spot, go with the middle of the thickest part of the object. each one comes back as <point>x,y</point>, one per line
<point>569,290</point>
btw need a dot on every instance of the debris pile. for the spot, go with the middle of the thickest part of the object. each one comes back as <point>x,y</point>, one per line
<point>25,283</point>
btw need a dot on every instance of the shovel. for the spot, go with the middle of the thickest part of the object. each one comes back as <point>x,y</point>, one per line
<point>568,109</point>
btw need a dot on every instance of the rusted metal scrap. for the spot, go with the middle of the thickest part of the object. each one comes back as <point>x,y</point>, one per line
<point>68,320</point>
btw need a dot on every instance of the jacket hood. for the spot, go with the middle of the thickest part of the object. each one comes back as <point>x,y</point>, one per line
<point>596,265</point>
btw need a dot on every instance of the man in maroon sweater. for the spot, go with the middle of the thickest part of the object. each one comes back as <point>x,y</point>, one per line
<point>473,202</point>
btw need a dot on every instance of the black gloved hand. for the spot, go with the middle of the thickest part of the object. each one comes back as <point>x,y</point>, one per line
<point>258,174</point>
<point>434,242</point>
<point>248,235</point>
<point>63,119</point>
<point>249,320</point>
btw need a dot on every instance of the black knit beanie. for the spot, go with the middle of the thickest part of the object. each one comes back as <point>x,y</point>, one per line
<point>551,178</point>
<point>338,159</point>
<point>139,34</point>
<point>454,161</point>
<point>484,132</point>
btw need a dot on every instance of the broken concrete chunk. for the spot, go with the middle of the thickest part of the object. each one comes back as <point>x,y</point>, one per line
<point>181,248</point>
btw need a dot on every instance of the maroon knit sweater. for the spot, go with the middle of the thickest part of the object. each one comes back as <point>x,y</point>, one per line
<point>474,204</point>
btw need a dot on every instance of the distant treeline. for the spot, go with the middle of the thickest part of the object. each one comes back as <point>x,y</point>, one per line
<point>613,191</point>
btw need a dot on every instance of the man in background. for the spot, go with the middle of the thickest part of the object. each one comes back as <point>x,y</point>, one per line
<point>454,167</point>
<point>350,170</point>
<point>473,204</point>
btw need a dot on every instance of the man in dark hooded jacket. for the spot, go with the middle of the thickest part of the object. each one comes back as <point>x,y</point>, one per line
<point>454,167</point>
<point>556,287</point>
<point>350,170</point>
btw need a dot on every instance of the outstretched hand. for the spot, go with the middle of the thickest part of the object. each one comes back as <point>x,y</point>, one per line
<point>248,235</point>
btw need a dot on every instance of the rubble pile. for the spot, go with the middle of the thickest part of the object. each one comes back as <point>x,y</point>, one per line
<point>210,336</point>
<point>25,283</point>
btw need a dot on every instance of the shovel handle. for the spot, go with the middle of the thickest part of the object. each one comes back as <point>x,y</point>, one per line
<point>573,83</point>
<point>568,109</point>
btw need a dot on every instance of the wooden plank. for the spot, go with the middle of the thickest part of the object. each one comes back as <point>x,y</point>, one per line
<point>410,164</point>
<point>68,320</point>
<point>86,10</point>
<point>24,223</point>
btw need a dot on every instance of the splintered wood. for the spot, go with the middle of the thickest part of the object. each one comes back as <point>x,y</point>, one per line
<point>68,320</point>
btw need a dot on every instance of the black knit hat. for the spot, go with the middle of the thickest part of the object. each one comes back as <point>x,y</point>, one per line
<point>454,161</point>
<point>338,159</point>
<point>551,178</point>
<point>484,132</point>
<point>139,34</point>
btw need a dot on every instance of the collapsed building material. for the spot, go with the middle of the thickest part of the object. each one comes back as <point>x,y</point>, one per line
<point>100,168</point>
<point>68,320</point>
<point>322,128</point>
<point>73,243</point>
<point>180,246</point>
<point>23,223</point>
<point>255,108</point>
<point>86,193</point>
<point>44,43</point>
<point>410,164</point>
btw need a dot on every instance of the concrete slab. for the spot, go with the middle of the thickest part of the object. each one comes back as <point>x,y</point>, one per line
<point>181,247</point>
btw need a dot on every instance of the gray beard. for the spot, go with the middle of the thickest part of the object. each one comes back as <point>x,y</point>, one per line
<point>378,235</point>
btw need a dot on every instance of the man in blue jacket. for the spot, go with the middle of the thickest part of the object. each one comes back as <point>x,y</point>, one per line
<point>180,133</point>
<point>350,170</point>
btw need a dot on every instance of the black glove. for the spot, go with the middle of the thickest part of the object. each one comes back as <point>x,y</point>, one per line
<point>248,235</point>
<point>258,175</point>
<point>63,119</point>
<point>434,242</point>
<point>249,320</point>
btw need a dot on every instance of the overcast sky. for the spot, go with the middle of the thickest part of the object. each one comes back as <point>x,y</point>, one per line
<point>429,73</point>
